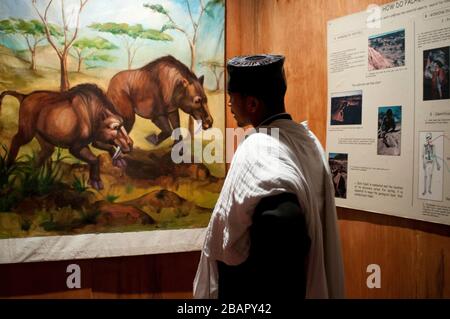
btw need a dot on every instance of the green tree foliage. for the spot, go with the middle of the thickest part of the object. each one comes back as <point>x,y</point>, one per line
<point>132,36</point>
<point>7,27</point>
<point>212,4</point>
<point>89,49</point>
<point>32,32</point>
<point>157,8</point>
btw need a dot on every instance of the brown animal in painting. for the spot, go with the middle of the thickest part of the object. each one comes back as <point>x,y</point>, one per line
<point>72,120</point>
<point>156,92</point>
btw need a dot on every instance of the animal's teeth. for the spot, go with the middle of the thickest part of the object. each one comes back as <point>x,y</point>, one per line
<point>117,152</point>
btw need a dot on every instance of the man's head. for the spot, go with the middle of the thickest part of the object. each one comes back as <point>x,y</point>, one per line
<point>257,86</point>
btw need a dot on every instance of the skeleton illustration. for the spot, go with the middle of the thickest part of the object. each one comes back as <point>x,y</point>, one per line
<point>429,158</point>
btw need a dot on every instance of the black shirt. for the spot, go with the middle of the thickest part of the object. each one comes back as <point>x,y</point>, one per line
<point>276,265</point>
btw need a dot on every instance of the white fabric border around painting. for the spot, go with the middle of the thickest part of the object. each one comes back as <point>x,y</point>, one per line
<point>15,250</point>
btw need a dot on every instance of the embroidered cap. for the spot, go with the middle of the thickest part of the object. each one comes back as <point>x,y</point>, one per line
<point>256,75</point>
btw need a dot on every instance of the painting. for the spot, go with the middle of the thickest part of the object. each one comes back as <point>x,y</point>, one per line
<point>102,103</point>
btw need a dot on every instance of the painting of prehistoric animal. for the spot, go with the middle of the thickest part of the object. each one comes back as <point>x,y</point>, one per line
<point>73,120</point>
<point>156,92</point>
<point>92,93</point>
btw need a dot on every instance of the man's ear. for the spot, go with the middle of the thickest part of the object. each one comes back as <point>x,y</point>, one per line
<point>253,104</point>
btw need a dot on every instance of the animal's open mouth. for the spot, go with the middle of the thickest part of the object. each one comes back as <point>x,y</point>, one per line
<point>122,143</point>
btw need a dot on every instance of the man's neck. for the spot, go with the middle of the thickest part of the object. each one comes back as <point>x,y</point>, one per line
<point>270,118</point>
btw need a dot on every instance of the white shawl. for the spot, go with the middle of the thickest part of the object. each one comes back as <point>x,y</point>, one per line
<point>264,166</point>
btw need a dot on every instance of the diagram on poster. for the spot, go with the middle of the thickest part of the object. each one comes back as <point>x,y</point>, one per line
<point>388,126</point>
<point>430,163</point>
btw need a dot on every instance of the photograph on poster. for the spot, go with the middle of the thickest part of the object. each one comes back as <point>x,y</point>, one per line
<point>436,84</point>
<point>346,108</point>
<point>431,165</point>
<point>386,50</point>
<point>389,130</point>
<point>338,165</point>
<point>106,167</point>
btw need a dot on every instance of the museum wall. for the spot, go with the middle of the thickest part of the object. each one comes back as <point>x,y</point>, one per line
<point>414,256</point>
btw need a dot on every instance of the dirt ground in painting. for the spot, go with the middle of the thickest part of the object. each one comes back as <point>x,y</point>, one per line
<point>150,193</point>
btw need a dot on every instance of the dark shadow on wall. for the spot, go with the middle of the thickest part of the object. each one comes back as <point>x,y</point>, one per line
<point>149,276</point>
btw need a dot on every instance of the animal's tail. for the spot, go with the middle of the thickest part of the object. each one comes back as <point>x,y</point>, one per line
<point>17,95</point>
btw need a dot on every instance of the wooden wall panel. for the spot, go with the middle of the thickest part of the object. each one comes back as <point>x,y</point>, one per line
<point>414,256</point>
<point>153,276</point>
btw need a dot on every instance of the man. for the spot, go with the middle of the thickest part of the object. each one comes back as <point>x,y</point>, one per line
<point>436,76</point>
<point>274,228</point>
<point>339,180</point>
<point>387,125</point>
<point>429,158</point>
<point>438,82</point>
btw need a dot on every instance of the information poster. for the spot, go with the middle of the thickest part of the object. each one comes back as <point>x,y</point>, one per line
<point>388,124</point>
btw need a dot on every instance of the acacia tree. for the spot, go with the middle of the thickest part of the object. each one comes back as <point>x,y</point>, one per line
<point>171,24</point>
<point>190,37</point>
<point>61,47</point>
<point>7,27</point>
<point>217,68</point>
<point>32,31</point>
<point>87,49</point>
<point>132,36</point>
